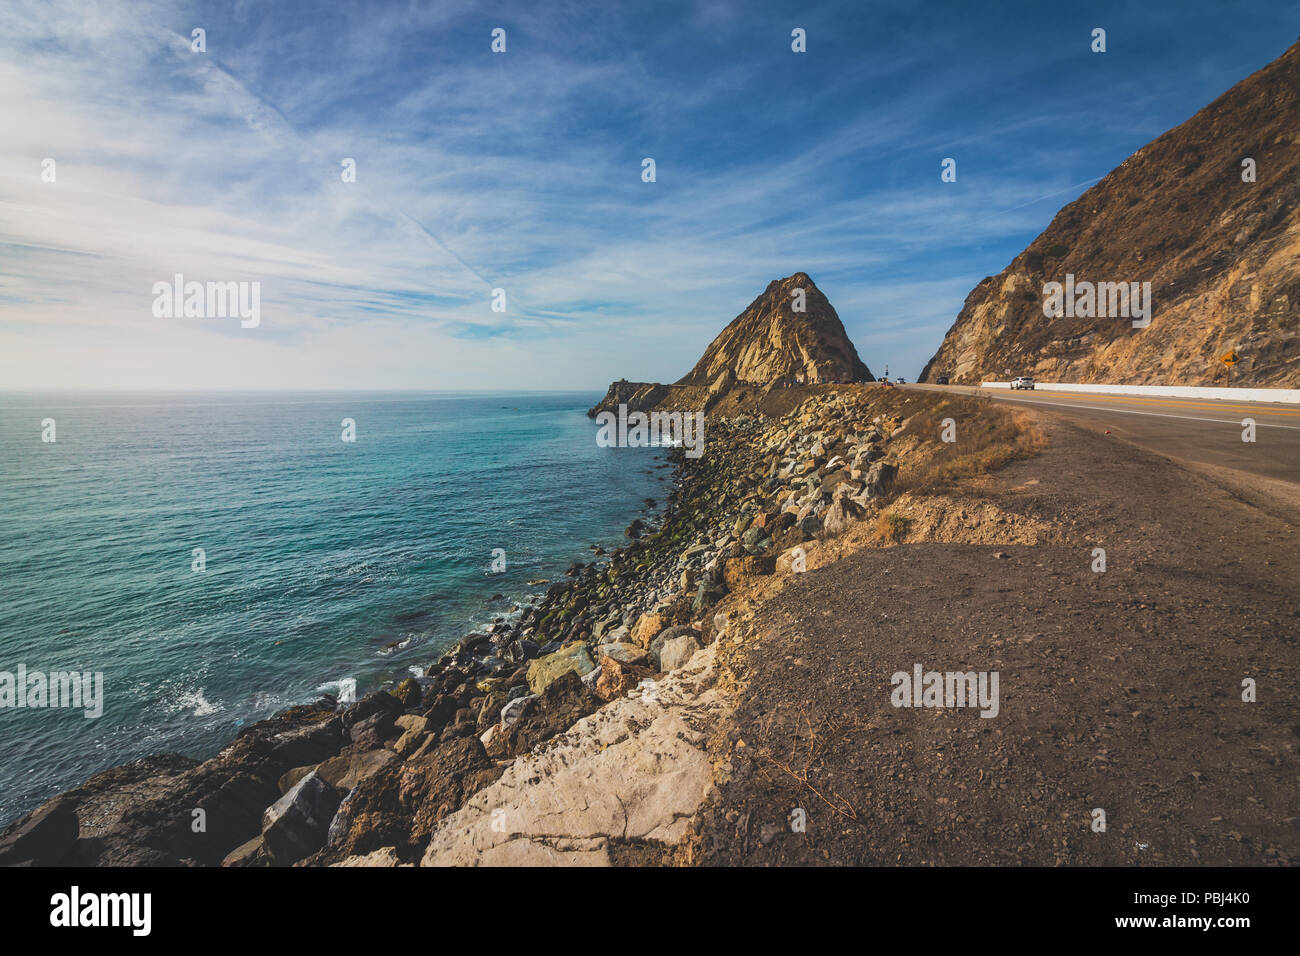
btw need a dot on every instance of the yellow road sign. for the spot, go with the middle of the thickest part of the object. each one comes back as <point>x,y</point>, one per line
<point>1229,358</point>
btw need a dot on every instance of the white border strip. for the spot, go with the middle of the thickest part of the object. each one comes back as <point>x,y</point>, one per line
<point>1284,395</point>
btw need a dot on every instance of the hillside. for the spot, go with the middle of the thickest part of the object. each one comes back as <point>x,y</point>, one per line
<point>1221,255</point>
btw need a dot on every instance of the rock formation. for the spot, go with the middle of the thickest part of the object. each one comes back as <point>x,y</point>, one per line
<point>773,342</point>
<point>1220,253</point>
<point>789,335</point>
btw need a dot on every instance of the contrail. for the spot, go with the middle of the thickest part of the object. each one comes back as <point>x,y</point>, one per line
<point>278,119</point>
<point>1086,182</point>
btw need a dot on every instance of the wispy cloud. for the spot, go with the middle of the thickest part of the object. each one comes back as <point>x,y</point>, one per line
<point>522,171</point>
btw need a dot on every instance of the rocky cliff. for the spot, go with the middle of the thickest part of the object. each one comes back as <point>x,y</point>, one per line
<point>789,335</point>
<point>1221,252</point>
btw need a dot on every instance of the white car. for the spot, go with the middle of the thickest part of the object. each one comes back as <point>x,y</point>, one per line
<point>1024,381</point>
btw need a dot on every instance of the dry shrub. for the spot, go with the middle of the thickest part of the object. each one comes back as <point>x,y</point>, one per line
<point>988,437</point>
<point>891,527</point>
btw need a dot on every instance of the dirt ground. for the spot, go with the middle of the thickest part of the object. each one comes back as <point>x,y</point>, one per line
<point>1118,690</point>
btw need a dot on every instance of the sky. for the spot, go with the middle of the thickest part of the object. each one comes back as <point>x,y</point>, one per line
<point>523,171</point>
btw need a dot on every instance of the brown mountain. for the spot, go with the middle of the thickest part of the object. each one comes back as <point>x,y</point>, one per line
<point>1222,256</point>
<point>772,343</point>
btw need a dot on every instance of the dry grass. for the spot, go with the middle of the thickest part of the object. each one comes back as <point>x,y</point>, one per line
<point>987,437</point>
<point>891,527</point>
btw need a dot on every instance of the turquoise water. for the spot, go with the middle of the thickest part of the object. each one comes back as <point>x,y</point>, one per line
<point>319,553</point>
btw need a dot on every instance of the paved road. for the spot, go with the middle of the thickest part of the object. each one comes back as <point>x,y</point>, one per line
<point>1204,431</point>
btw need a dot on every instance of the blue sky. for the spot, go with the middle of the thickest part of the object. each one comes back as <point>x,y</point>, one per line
<point>522,171</point>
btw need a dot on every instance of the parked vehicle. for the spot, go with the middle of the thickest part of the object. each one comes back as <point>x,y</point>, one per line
<point>900,380</point>
<point>1024,381</point>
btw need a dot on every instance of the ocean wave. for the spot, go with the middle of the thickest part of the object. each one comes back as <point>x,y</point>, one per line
<point>196,703</point>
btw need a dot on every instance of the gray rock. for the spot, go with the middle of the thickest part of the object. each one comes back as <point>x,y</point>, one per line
<point>615,636</point>
<point>590,678</point>
<point>677,652</point>
<point>623,652</point>
<point>879,478</point>
<point>810,525</point>
<point>668,634</point>
<point>841,515</point>
<point>295,826</point>
<point>516,708</point>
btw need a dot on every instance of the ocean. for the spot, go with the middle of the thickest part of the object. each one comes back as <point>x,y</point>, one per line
<point>322,560</point>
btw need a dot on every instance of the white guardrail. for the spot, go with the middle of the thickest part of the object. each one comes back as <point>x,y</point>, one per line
<point>1286,395</point>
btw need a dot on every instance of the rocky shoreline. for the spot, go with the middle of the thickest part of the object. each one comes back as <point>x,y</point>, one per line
<point>322,784</point>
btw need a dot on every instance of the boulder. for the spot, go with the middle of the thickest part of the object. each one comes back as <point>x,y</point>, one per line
<point>299,745</point>
<point>384,856</point>
<point>677,652</point>
<point>617,678</point>
<point>252,853</point>
<point>842,513</point>
<point>415,728</point>
<point>410,742</point>
<point>408,692</point>
<point>44,838</point>
<point>413,722</point>
<point>378,702</point>
<point>710,592</point>
<point>751,538</point>
<point>442,709</point>
<point>398,806</point>
<point>513,652</point>
<point>647,628</point>
<point>672,633</point>
<point>291,778</point>
<point>624,653</point>
<point>615,636</point>
<point>879,478</point>
<point>516,708</point>
<point>295,825</point>
<point>545,670</point>
<point>347,770</point>
<point>810,525</point>
<point>371,732</point>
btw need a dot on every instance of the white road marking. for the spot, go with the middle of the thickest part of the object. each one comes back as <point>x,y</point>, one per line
<point>1134,411</point>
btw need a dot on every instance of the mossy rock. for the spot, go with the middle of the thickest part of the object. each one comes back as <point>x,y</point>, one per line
<point>545,670</point>
<point>408,692</point>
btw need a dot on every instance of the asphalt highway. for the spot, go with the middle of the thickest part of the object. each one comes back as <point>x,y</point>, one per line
<point>1203,431</point>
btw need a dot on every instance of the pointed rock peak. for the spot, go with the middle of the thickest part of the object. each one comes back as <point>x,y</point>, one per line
<point>789,334</point>
<point>800,280</point>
